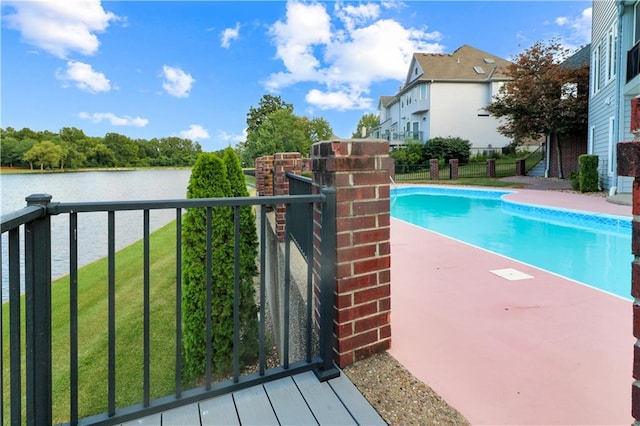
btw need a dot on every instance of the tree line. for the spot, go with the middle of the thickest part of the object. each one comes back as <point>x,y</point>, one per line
<point>71,148</point>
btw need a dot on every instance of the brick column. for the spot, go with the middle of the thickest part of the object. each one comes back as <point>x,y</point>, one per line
<point>628,154</point>
<point>359,171</point>
<point>434,169</point>
<point>283,163</point>
<point>491,168</point>
<point>264,177</point>
<point>453,168</point>
<point>521,167</point>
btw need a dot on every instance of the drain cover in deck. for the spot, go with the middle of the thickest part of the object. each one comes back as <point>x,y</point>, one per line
<point>511,274</point>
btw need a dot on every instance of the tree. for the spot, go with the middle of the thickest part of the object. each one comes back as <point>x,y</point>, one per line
<point>266,105</point>
<point>447,148</point>
<point>540,100</point>
<point>368,122</point>
<point>248,254</point>
<point>46,153</point>
<point>280,131</point>
<point>317,129</point>
<point>211,179</point>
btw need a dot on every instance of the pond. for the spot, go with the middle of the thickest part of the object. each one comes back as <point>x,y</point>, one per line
<point>92,227</point>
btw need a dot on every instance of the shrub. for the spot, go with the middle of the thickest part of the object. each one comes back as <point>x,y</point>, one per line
<point>248,255</point>
<point>209,179</point>
<point>410,154</point>
<point>575,181</point>
<point>588,173</point>
<point>448,148</point>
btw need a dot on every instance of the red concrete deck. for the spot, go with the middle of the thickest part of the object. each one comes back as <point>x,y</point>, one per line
<point>538,351</point>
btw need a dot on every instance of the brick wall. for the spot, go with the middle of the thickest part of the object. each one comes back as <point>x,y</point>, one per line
<point>628,159</point>
<point>359,171</point>
<point>264,176</point>
<point>283,163</point>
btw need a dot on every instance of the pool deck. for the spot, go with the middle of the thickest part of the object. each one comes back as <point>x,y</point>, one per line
<point>543,350</point>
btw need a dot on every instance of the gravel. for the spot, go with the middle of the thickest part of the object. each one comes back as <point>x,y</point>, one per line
<point>398,396</point>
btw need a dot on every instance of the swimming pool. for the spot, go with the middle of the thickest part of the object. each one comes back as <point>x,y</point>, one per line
<point>593,249</point>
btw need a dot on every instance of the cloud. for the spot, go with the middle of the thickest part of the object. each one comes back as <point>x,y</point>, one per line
<point>195,132</point>
<point>230,138</point>
<point>229,34</point>
<point>114,120</point>
<point>176,82</point>
<point>346,55</point>
<point>60,27</point>
<point>84,77</point>
<point>576,29</point>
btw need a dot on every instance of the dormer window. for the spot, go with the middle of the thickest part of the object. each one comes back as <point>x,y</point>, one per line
<point>478,70</point>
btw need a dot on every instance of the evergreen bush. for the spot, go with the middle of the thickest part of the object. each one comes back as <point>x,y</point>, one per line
<point>445,149</point>
<point>208,180</point>
<point>248,255</point>
<point>588,173</point>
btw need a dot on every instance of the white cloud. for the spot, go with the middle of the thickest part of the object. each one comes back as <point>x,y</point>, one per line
<point>228,35</point>
<point>176,82</point>
<point>344,60</point>
<point>339,100</point>
<point>84,77</point>
<point>60,27</point>
<point>114,120</point>
<point>195,132</point>
<point>576,30</point>
<point>230,138</point>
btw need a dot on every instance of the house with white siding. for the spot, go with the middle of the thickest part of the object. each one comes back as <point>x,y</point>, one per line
<point>615,80</point>
<point>445,95</point>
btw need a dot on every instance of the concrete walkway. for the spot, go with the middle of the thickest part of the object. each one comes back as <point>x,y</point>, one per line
<point>544,351</point>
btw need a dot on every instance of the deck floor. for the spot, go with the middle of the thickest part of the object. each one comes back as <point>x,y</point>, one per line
<point>297,400</point>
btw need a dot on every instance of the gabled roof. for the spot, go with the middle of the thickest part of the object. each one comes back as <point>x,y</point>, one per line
<point>466,63</point>
<point>385,101</point>
<point>579,59</point>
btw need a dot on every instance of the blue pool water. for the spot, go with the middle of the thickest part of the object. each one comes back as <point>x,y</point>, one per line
<point>594,249</point>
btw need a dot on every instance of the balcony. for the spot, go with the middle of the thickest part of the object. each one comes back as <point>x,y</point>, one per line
<point>633,62</point>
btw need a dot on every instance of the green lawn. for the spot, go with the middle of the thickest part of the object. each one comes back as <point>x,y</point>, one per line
<point>92,330</point>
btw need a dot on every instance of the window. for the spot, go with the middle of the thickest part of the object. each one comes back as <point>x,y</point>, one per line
<point>611,147</point>
<point>636,27</point>
<point>592,138</point>
<point>595,70</point>
<point>423,91</point>
<point>569,90</point>
<point>612,47</point>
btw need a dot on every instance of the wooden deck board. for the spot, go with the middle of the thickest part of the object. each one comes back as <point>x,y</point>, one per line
<point>353,400</point>
<point>288,403</point>
<point>324,403</point>
<point>219,411</point>
<point>254,407</point>
<point>298,400</point>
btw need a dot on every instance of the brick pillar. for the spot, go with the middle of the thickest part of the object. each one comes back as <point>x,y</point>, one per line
<point>521,168</point>
<point>359,171</point>
<point>434,169</point>
<point>628,154</point>
<point>283,163</point>
<point>491,168</point>
<point>264,177</point>
<point>453,168</point>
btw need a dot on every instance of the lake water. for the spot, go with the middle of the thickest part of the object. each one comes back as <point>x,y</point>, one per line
<point>92,227</point>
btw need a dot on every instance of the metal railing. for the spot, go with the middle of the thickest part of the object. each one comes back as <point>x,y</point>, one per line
<point>303,214</point>
<point>30,372</point>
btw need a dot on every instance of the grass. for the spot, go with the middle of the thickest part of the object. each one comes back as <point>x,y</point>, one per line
<point>495,182</point>
<point>92,330</point>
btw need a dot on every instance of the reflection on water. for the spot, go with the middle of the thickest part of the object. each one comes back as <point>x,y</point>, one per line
<point>92,227</point>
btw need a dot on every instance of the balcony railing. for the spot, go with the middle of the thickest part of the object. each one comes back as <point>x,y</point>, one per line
<point>633,62</point>
<point>30,369</point>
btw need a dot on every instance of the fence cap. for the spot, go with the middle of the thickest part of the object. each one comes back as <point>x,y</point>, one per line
<point>38,199</point>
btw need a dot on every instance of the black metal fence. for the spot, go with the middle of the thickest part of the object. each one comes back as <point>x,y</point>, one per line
<point>29,370</point>
<point>301,218</point>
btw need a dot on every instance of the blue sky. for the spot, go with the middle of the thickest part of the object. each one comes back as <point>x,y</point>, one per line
<point>150,69</point>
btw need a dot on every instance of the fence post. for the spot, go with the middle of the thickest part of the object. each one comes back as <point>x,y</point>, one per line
<point>327,285</point>
<point>453,168</point>
<point>521,168</point>
<point>359,171</point>
<point>38,313</point>
<point>434,169</point>
<point>284,162</point>
<point>491,168</point>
